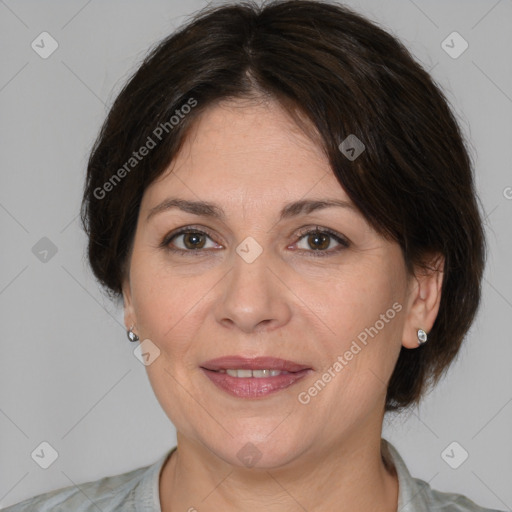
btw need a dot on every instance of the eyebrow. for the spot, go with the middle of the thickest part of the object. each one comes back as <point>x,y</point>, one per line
<point>205,209</point>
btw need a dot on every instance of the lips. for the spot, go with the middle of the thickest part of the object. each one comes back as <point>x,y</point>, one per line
<point>283,374</point>
<point>255,363</point>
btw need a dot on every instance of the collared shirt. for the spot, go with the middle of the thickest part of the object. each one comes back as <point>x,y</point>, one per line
<point>138,491</point>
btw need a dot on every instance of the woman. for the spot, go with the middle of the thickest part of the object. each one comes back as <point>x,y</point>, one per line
<point>283,200</point>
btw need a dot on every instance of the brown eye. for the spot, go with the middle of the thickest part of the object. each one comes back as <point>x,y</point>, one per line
<point>189,241</point>
<point>317,241</point>
<point>193,240</point>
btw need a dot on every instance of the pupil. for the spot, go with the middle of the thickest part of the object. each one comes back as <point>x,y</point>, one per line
<point>323,238</point>
<point>193,237</point>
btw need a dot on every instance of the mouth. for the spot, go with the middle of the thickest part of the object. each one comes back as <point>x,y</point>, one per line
<point>253,377</point>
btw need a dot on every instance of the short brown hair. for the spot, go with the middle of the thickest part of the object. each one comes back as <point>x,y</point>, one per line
<point>413,183</point>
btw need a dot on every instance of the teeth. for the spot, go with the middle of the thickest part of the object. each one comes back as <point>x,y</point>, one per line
<point>239,373</point>
<point>254,373</point>
<point>263,373</point>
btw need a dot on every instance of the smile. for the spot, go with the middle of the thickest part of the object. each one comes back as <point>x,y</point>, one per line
<point>253,377</point>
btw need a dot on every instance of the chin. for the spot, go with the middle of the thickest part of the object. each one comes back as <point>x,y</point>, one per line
<point>259,451</point>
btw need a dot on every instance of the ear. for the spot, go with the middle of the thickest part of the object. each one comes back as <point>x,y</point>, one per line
<point>424,297</point>
<point>130,319</point>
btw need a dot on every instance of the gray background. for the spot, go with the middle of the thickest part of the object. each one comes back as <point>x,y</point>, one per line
<point>67,372</point>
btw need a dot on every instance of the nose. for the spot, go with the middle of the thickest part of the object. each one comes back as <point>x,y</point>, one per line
<point>253,298</point>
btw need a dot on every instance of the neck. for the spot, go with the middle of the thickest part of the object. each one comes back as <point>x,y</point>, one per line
<point>350,476</point>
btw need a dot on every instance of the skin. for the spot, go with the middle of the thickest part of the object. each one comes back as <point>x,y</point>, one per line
<point>251,159</point>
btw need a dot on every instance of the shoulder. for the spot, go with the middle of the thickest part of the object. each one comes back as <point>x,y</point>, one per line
<point>446,501</point>
<point>415,495</point>
<point>125,491</point>
<point>103,494</point>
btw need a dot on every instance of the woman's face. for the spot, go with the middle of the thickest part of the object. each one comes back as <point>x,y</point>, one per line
<point>258,285</point>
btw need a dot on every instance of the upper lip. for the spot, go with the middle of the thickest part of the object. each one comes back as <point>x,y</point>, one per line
<point>253,363</point>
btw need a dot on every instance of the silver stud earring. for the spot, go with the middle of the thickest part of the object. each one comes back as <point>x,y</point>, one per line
<point>422,337</point>
<point>131,335</point>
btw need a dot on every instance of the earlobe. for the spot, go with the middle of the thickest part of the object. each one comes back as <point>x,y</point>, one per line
<point>424,302</point>
<point>129,314</point>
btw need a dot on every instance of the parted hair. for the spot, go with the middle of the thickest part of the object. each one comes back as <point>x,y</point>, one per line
<point>340,73</point>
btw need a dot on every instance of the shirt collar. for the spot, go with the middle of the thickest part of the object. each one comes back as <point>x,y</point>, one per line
<point>147,495</point>
<point>411,496</point>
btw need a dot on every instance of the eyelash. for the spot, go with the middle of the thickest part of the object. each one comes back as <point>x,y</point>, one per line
<point>301,234</point>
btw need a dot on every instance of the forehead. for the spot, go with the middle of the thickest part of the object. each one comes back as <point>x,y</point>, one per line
<point>240,152</point>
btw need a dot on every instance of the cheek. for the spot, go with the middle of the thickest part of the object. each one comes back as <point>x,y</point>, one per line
<point>155,296</point>
<point>357,297</point>
<point>365,311</point>
<point>168,306</point>
<point>358,362</point>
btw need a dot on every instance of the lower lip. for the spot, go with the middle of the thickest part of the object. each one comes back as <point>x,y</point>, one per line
<point>253,387</point>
